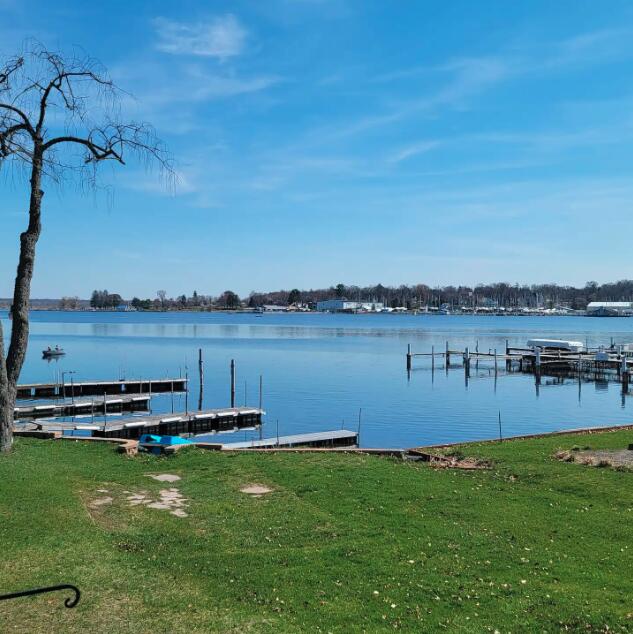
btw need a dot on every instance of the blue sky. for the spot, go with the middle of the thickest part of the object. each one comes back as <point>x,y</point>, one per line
<point>322,141</point>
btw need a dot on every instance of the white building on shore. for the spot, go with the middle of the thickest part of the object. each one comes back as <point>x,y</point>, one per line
<point>610,309</point>
<point>344,305</point>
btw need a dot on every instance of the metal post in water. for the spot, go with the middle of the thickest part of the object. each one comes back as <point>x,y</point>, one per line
<point>466,365</point>
<point>360,412</point>
<point>232,382</point>
<point>186,390</point>
<point>261,390</point>
<point>201,378</point>
<point>500,434</point>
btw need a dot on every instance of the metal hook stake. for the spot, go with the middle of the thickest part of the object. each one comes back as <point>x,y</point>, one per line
<point>70,602</point>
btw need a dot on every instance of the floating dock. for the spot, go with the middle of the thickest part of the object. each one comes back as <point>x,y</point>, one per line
<point>336,438</point>
<point>81,407</point>
<point>99,388</point>
<point>165,424</point>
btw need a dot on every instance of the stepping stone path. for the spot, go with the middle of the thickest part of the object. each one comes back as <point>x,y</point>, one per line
<point>169,499</point>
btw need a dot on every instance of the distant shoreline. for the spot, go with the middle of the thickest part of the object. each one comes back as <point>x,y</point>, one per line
<point>411,313</point>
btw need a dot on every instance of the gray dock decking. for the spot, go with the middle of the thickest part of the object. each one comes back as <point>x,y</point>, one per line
<point>79,407</point>
<point>99,388</point>
<point>335,438</point>
<point>191,423</point>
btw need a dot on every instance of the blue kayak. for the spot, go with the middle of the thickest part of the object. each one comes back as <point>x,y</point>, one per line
<point>153,439</point>
<point>154,443</point>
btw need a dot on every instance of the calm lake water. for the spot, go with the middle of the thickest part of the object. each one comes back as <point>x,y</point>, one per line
<point>319,369</point>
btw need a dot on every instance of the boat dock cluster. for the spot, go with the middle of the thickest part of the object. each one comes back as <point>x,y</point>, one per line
<point>68,400</point>
<point>117,397</point>
<point>552,357</point>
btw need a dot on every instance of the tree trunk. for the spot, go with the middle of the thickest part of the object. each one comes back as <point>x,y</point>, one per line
<point>6,421</point>
<point>11,367</point>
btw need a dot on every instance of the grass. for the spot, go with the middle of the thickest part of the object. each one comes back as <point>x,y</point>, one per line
<point>344,543</point>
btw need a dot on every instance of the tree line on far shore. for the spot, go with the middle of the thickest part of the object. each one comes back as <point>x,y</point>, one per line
<point>500,294</point>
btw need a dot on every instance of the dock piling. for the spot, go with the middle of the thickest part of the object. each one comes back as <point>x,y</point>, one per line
<point>201,378</point>
<point>232,382</point>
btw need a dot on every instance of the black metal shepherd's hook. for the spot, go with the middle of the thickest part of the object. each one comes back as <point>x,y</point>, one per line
<point>70,602</point>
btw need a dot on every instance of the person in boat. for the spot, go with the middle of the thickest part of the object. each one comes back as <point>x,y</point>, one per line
<point>49,349</point>
<point>56,348</point>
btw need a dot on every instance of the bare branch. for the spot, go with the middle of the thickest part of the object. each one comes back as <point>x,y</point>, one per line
<point>11,67</point>
<point>6,138</point>
<point>11,108</point>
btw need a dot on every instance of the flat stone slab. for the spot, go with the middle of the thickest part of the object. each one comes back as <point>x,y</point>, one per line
<point>164,477</point>
<point>101,502</point>
<point>255,489</point>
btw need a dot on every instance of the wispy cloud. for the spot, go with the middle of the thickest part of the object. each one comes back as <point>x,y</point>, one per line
<point>593,47</point>
<point>184,182</point>
<point>221,37</point>
<point>409,151</point>
<point>467,78</point>
<point>173,99</point>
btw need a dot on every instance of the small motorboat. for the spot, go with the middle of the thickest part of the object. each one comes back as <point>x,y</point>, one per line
<point>49,352</point>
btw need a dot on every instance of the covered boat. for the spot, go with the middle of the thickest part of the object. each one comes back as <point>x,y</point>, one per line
<point>556,344</point>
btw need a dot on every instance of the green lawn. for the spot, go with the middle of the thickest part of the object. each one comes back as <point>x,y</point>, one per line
<point>344,543</point>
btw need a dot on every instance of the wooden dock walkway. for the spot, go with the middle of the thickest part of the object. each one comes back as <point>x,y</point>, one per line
<point>81,407</point>
<point>99,388</point>
<point>335,438</point>
<point>191,423</point>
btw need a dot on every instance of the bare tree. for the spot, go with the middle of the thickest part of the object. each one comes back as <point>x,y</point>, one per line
<point>59,120</point>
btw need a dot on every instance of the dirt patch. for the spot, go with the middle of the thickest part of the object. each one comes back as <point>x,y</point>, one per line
<point>456,461</point>
<point>616,458</point>
<point>256,490</point>
<point>164,477</point>
<point>467,464</point>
